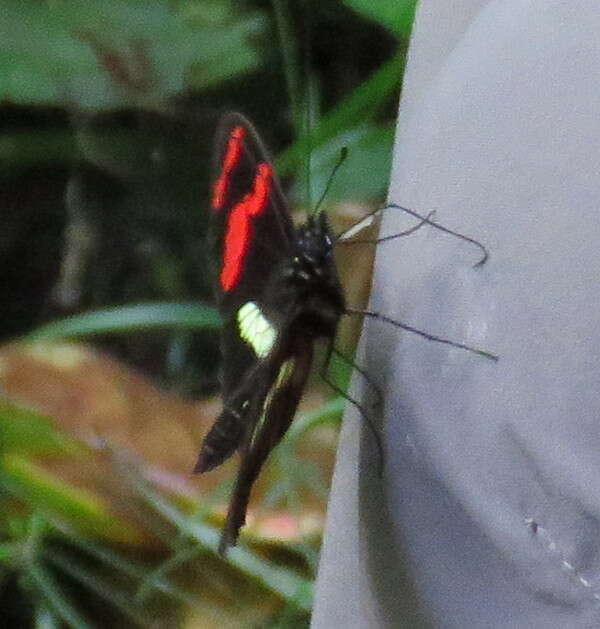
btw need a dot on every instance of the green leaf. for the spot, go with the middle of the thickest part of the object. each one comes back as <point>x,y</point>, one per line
<point>361,106</point>
<point>79,508</point>
<point>39,57</point>
<point>365,172</point>
<point>224,54</point>
<point>327,412</point>
<point>118,53</point>
<point>125,319</point>
<point>24,431</point>
<point>8,552</point>
<point>397,15</point>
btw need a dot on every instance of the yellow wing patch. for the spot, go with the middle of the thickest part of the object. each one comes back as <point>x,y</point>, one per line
<point>255,329</point>
<point>285,373</point>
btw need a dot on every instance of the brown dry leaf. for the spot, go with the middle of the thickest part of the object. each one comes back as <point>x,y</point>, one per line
<point>355,267</point>
<point>94,398</point>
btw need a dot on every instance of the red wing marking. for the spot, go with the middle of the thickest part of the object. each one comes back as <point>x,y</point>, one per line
<point>231,158</point>
<point>239,223</point>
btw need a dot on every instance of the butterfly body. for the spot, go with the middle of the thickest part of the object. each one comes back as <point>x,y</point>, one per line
<point>278,292</point>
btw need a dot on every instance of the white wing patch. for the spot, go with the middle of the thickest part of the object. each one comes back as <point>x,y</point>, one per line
<point>255,329</point>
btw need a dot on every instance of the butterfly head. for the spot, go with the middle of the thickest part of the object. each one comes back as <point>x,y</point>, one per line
<point>314,245</point>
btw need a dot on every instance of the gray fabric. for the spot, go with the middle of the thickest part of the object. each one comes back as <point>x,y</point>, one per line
<point>492,481</point>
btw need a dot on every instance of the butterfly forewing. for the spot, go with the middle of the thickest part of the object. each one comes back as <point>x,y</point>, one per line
<point>251,234</point>
<point>248,210</point>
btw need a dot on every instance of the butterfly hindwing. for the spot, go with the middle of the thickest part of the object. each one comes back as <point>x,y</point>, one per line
<point>258,415</point>
<point>277,412</point>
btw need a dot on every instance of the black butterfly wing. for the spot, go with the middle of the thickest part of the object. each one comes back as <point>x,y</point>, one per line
<point>276,409</point>
<point>251,233</point>
<point>235,423</point>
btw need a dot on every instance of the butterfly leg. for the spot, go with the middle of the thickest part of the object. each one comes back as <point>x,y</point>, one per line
<point>364,374</point>
<point>324,373</point>
<point>426,335</point>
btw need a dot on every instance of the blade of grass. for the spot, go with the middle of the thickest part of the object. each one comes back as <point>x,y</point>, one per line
<point>159,574</point>
<point>361,105</point>
<point>124,603</point>
<point>48,494</point>
<point>23,430</point>
<point>132,569</point>
<point>280,581</point>
<point>287,45</point>
<point>56,600</point>
<point>131,318</point>
<point>398,16</point>
<point>306,421</point>
<point>45,618</point>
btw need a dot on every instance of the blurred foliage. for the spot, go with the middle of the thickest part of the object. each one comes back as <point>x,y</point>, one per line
<point>107,116</point>
<point>114,53</point>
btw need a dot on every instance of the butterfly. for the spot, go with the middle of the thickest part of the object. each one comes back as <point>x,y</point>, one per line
<point>278,292</point>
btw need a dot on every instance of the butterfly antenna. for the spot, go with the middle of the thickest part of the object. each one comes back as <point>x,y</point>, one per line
<point>344,237</point>
<point>484,251</point>
<point>341,160</point>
